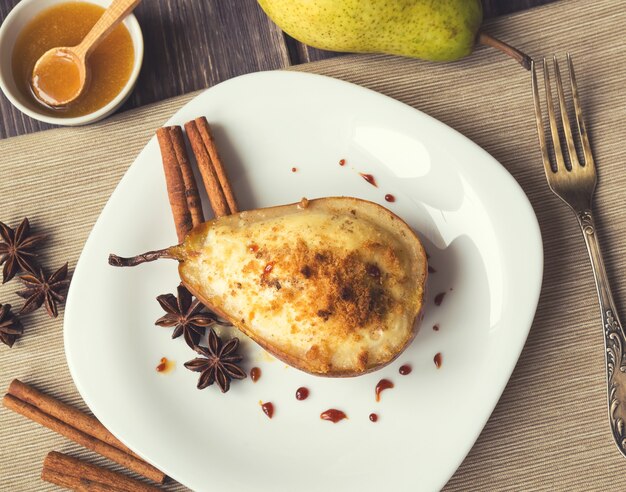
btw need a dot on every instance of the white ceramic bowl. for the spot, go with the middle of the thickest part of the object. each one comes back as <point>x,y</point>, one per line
<point>17,19</point>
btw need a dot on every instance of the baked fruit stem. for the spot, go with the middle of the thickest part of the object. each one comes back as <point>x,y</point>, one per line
<point>119,261</point>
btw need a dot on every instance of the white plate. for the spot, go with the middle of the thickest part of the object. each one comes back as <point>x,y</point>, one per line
<point>477,225</point>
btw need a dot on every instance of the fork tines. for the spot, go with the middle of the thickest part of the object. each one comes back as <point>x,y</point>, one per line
<point>562,157</point>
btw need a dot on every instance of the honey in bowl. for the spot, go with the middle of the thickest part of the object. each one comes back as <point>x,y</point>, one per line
<point>56,78</point>
<point>110,65</point>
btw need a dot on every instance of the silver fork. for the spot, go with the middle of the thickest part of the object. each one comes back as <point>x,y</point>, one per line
<point>575,187</point>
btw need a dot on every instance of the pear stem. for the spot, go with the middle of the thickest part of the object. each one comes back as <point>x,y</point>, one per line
<point>522,58</point>
<point>119,261</point>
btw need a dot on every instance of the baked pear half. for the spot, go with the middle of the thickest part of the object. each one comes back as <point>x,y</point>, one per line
<point>333,286</point>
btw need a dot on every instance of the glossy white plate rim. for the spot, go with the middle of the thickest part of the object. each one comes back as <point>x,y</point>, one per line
<point>503,194</point>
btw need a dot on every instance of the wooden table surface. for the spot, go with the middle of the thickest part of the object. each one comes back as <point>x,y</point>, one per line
<point>193,44</point>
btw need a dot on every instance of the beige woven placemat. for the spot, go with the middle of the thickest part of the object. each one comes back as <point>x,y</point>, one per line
<point>549,431</point>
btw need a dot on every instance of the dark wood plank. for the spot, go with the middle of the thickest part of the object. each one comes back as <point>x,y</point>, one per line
<point>494,8</point>
<point>192,44</point>
<point>301,53</point>
<point>189,45</point>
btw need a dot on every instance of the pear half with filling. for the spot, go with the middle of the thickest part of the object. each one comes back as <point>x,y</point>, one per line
<point>332,286</point>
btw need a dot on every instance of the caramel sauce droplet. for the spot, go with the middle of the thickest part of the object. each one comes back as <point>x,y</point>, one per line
<point>255,374</point>
<point>164,366</point>
<point>268,409</point>
<point>333,415</point>
<point>266,271</point>
<point>302,393</point>
<point>369,178</point>
<point>438,359</point>
<point>382,385</point>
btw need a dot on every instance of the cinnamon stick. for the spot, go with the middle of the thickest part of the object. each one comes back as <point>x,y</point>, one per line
<point>66,413</point>
<point>209,142</point>
<point>191,188</point>
<point>94,444</point>
<point>75,483</point>
<point>175,182</point>
<point>77,468</point>
<point>207,171</point>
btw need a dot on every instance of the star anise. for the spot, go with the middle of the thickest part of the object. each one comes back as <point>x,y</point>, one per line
<point>186,314</point>
<point>10,327</point>
<point>44,289</point>
<point>219,364</point>
<point>16,249</point>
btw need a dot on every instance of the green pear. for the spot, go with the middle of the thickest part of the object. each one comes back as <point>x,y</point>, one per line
<point>437,30</point>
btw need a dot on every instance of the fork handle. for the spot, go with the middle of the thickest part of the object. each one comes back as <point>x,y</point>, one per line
<point>614,340</point>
